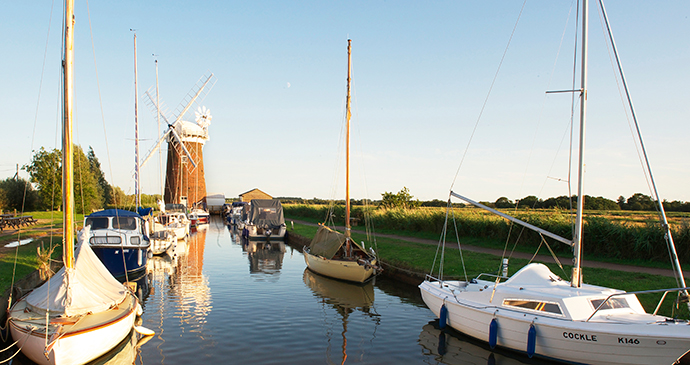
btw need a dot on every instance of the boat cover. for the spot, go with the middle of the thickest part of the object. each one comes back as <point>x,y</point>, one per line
<point>266,213</point>
<point>88,287</point>
<point>327,242</point>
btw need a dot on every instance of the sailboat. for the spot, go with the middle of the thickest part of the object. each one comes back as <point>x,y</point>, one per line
<point>82,312</point>
<point>536,312</point>
<point>332,253</point>
<point>120,237</point>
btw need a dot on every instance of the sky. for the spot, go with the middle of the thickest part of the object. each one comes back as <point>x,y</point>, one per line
<point>429,98</point>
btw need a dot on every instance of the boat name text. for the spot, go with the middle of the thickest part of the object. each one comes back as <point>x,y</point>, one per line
<point>580,336</point>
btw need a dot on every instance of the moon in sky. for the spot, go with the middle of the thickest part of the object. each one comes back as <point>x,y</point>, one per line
<point>288,85</point>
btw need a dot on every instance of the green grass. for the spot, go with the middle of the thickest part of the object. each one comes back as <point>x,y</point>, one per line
<point>419,257</point>
<point>26,260</point>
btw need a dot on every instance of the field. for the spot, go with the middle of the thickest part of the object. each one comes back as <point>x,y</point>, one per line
<point>608,235</point>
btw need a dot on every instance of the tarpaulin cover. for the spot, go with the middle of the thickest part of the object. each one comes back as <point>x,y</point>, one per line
<point>266,213</point>
<point>326,242</point>
<point>113,213</point>
<point>88,287</point>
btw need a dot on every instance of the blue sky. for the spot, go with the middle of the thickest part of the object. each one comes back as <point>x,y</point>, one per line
<point>422,71</point>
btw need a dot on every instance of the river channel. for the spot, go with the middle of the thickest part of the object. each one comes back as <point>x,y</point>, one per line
<point>224,301</point>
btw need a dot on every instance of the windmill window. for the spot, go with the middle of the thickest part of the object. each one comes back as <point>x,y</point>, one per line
<point>535,305</point>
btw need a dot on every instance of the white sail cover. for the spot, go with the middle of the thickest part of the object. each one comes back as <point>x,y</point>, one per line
<point>88,287</point>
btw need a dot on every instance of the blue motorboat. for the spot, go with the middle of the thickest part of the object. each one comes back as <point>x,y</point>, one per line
<point>118,237</point>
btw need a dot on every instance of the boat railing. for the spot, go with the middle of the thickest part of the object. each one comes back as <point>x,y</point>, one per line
<point>665,291</point>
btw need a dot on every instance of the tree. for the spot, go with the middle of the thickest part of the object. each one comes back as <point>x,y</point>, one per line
<point>17,194</point>
<point>403,199</point>
<point>530,201</point>
<point>639,201</point>
<point>86,189</point>
<point>45,173</point>
<point>504,202</point>
<point>104,189</point>
<point>45,170</point>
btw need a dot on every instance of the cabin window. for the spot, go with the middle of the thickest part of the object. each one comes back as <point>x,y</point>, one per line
<point>97,223</point>
<point>266,213</point>
<point>534,305</point>
<point>612,303</point>
<point>105,240</point>
<point>128,223</point>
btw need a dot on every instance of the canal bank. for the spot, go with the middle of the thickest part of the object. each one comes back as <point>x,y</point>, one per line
<point>515,254</point>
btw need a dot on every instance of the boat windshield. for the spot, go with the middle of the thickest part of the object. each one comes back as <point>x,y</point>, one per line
<point>97,223</point>
<point>128,223</point>
<point>612,303</point>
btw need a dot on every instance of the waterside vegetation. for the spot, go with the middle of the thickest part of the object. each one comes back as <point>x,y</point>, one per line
<point>613,235</point>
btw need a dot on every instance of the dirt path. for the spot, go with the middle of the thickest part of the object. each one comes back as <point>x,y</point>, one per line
<point>527,256</point>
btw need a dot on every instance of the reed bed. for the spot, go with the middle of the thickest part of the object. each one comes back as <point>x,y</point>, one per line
<point>606,235</point>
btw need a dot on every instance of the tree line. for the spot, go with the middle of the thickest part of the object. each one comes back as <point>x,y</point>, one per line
<point>43,191</point>
<point>403,199</point>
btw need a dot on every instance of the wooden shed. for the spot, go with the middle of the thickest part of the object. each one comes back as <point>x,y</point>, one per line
<point>254,194</point>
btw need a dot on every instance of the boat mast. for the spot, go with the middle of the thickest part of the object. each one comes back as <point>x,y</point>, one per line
<point>160,152</point>
<point>137,193</point>
<point>67,158</point>
<point>347,151</point>
<point>576,277</point>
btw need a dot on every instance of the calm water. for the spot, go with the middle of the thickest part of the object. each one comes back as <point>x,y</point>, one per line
<point>222,301</point>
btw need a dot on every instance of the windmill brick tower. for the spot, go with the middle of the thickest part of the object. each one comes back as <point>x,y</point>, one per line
<point>185,181</point>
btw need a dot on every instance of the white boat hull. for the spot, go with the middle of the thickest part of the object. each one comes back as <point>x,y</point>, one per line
<point>90,337</point>
<point>580,342</point>
<point>339,269</point>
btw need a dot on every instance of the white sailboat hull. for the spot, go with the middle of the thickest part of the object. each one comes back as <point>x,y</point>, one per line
<point>90,337</point>
<point>339,269</point>
<point>604,341</point>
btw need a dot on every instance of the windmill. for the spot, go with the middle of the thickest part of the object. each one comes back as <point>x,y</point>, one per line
<point>184,179</point>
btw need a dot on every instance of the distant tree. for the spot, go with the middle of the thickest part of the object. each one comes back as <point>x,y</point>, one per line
<point>600,203</point>
<point>45,170</point>
<point>621,203</point>
<point>530,201</point>
<point>45,173</point>
<point>104,188</point>
<point>119,197</point>
<point>403,199</point>
<point>561,202</point>
<point>17,194</point>
<point>639,201</point>
<point>504,202</point>
<point>87,196</point>
<point>435,203</point>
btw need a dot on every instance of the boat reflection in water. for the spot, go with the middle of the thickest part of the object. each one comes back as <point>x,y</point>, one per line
<point>453,348</point>
<point>265,257</point>
<point>125,353</point>
<point>345,298</point>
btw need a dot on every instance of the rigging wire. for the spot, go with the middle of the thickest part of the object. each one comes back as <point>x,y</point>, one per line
<point>486,100</point>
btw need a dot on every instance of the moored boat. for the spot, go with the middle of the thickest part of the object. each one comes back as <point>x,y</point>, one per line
<point>81,312</point>
<point>332,253</point>
<point>265,220</point>
<point>537,313</point>
<point>118,237</point>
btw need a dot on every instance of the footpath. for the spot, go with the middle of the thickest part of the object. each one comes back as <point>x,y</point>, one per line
<point>524,255</point>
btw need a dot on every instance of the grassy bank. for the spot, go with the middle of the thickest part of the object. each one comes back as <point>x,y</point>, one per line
<point>419,258</point>
<point>44,234</point>
<point>620,235</point>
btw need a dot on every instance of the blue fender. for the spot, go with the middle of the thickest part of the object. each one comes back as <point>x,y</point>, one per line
<point>493,333</point>
<point>531,340</point>
<point>443,317</point>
